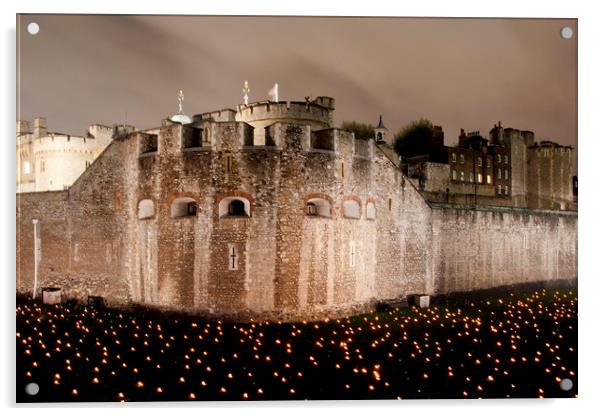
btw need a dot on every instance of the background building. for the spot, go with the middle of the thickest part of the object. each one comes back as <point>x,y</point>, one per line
<point>50,161</point>
<point>509,169</point>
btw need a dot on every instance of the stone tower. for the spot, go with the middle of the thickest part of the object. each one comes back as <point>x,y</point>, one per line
<point>380,133</point>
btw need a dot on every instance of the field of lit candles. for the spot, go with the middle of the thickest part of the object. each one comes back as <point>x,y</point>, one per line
<point>508,345</point>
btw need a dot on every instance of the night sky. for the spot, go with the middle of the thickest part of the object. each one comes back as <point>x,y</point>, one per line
<point>459,73</point>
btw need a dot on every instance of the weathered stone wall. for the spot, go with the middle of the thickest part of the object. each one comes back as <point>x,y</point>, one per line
<point>288,263</point>
<point>262,114</point>
<point>476,249</point>
<point>519,166</point>
<point>550,177</point>
<point>436,177</point>
<point>84,239</point>
<point>51,211</point>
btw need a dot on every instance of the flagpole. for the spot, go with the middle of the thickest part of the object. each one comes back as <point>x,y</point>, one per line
<point>36,248</point>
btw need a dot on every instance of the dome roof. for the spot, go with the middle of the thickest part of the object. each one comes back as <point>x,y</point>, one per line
<point>181,118</point>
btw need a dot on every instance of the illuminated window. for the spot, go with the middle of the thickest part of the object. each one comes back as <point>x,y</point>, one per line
<point>479,178</point>
<point>462,176</point>
<point>453,157</point>
<point>499,158</point>
<point>489,179</point>
<point>454,175</point>
<point>479,161</point>
<point>471,177</point>
<point>461,158</point>
<point>499,173</point>
<point>499,189</point>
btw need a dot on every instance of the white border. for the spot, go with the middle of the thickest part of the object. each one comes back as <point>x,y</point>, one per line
<point>590,140</point>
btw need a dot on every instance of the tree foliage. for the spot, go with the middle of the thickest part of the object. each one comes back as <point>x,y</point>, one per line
<point>414,139</point>
<point>361,130</point>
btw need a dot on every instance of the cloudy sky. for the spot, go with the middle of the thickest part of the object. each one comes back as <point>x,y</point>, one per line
<point>459,73</point>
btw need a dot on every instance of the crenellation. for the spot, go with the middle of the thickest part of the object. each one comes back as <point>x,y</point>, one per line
<point>325,139</point>
<point>204,217</point>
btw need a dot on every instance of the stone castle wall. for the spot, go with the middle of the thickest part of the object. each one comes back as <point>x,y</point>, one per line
<point>489,247</point>
<point>519,169</point>
<point>288,263</point>
<point>550,177</point>
<point>52,161</point>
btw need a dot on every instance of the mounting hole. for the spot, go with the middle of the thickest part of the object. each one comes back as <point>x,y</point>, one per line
<point>33,28</point>
<point>566,384</point>
<point>566,32</point>
<point>32,389</point>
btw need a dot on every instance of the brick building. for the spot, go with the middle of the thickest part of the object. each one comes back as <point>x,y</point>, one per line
<point>509,169</point>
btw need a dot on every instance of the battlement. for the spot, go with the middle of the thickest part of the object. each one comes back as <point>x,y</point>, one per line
<point>121,130</point>
<point>527,136</point>
<point>227,114</point>
<point>549,148</point>
<point>285,110</point>
<point>549,144</point>
<point>324,140</point>
<point>147,143</point>
<point>23,127</point>
<point>235,135</point>
<point>63,142</point>
<point>324,101</point>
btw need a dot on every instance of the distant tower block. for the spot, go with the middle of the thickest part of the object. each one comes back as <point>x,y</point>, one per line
<point>380,132</point>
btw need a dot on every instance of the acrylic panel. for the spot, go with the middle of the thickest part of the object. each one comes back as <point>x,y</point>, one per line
<point>286,208</point>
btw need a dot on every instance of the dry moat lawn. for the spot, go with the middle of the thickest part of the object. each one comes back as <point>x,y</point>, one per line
<point>513,344</point>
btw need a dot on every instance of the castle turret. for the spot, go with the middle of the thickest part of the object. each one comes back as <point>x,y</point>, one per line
<point>317,113</point>
<point>380,132</point>
<point>23,127</point>
<point>39,127</point>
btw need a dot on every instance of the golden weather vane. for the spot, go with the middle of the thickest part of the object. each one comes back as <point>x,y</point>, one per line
<point>180,101</point>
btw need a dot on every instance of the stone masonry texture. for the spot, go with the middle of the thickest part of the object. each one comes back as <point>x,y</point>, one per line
<point>289,265</point>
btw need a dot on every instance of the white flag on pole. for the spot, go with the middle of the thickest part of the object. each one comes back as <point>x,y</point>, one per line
<point>273,93</point>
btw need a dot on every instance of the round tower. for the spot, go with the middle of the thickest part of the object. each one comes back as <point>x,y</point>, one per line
<point>318,114</point>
